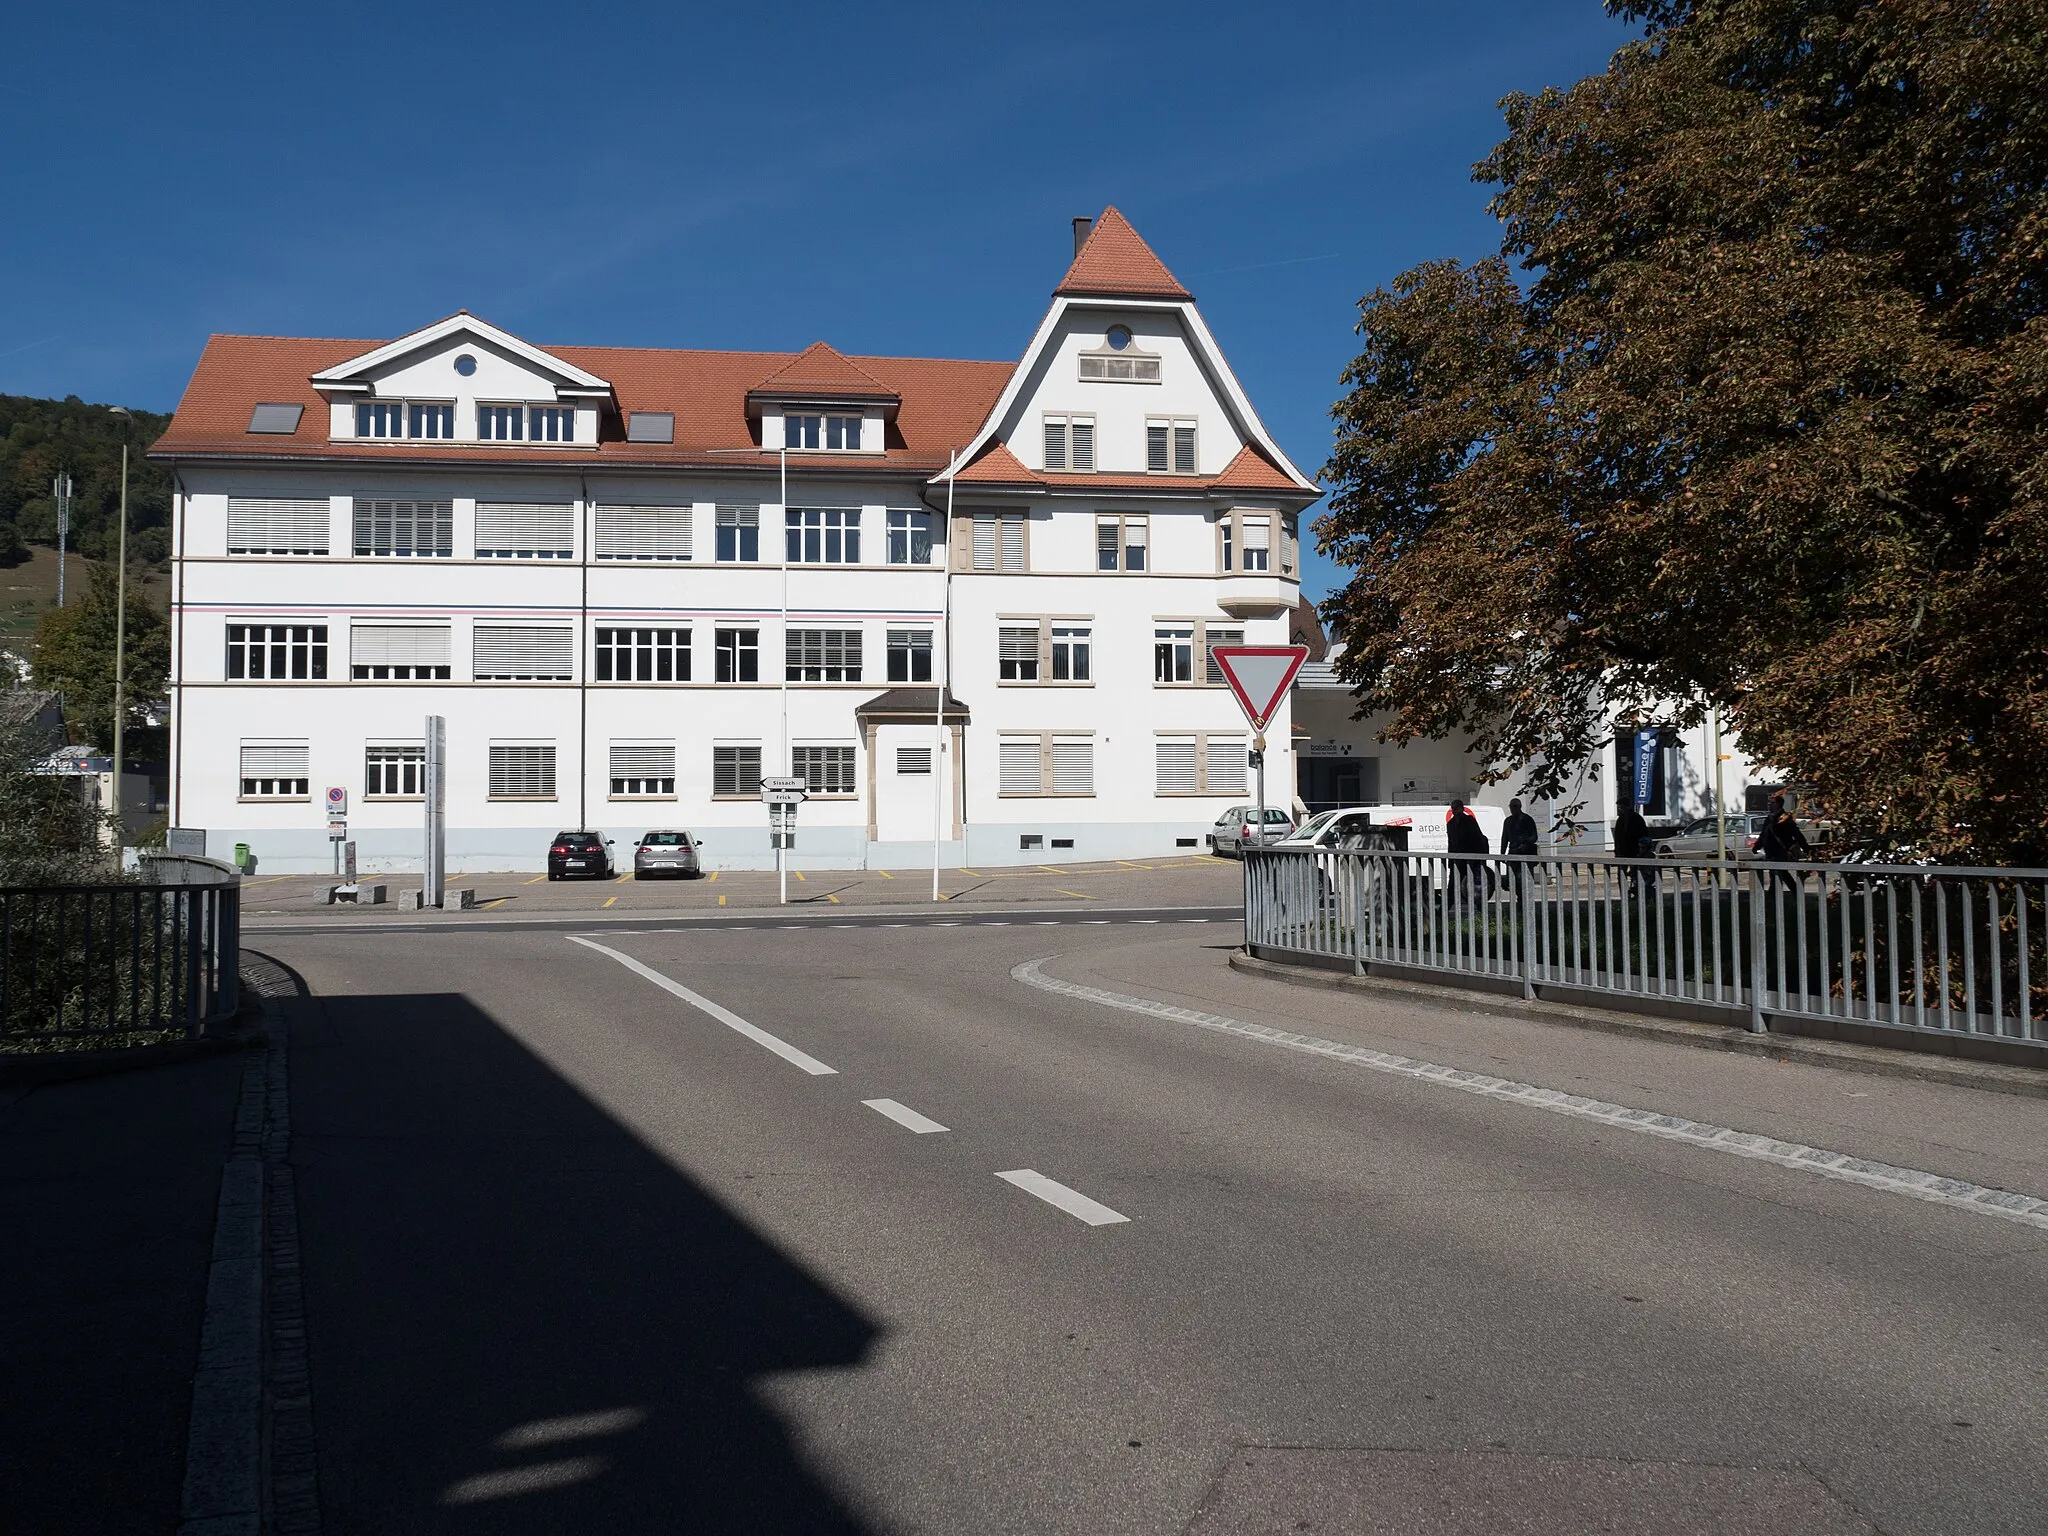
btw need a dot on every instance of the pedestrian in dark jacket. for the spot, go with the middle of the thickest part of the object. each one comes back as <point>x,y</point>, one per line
<point>1781,841</point>
<point>1518,835</point>
<point>1632,841</point>
<point>1464,835</point>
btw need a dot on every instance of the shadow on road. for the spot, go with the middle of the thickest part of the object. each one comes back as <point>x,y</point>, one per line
<point>521,1318</point>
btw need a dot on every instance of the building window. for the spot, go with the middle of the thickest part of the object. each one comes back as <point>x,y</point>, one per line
<point>501,423</point>
<point>1170,445</point>
<point>1214,635</point>
<point>1118,364</point>
<point>1199,764</point>
<point>1173,653</point>
<point>643,533</point>
<point>824,770</point>
<point>1048,763</point>
<point>822,656</point>
<point>551,424</point>
<point>1070,444</point>
<point>739,534</point>
<point>523,771</point>
<point>277,652</point>
<point>418,528</point>
<point>643,770</point>
<point>525,530</point>
<point>1071,644</point>
<point>523,653</point>
<point>405,419</point>
<point>394,772</point>
<point>910,536</point>
<point>643,656</point>
<point>913,760</point>
<point>1247,541</point>
<point>736,771</point>
<point>399,652</point>
<point>823,535</point>
<point>840,434</point>
<point>526,423</point>
<point>739,655</point>
<point>1017,653</point>
<point>277,525</point>
<point>276,770</point>
<point>998,541</point>
<point>910,655</point>
<point>1121,541</point>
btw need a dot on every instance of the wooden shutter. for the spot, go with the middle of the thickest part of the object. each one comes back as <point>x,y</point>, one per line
<point>646,532</point>
<point>277,525</point>
<point>524,651</point>
<point>1176,756</point>
<point>544,529</point>
<point>1018,770</point>
<point>1073,765</point>
<point>399,645</point>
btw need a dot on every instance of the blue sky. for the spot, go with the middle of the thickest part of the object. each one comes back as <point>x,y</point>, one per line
<point>890,178</point>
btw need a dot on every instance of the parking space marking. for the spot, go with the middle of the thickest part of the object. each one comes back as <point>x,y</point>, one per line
<point>1072,1201</point>
<point>725,1016</point>
<point>904,1116</point>
<point>610,899</point>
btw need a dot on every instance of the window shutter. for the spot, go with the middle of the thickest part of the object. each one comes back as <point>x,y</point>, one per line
<point>522,772</point>
<point>1258,533</point>
<point>1290,547</point>
<point>735,770</point>
<point>399,645</point>
<point>984,541</point>
<point>913,759</point>
<point>277,760</point>
<point>1019,767</point>
<point>645,533</point>
<point>1073,765</point>
<point>1017,642</point>
<point>1214,637</point>
<point>1227,768</point>
<point>1135,529</point>
<point>1176,765</point>
<point>1055,444</point>
<point>404,527</point>
<point>277,525</point>
<point>1083,456</point>
<point>1155,447</point>
<point>739,517</point>
<point>1183,450</point>
<point>530,528</point>
<point>643,760</point>
<point>522,651</point>
<point>1013,541</point>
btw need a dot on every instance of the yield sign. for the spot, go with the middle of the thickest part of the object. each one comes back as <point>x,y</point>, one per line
<point>1259,675</point>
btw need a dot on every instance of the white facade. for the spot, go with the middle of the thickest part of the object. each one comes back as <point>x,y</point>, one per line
<point>528,559</point>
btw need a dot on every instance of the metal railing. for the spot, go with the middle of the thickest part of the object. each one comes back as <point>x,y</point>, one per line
<point>112,965</point>
<point>1933,951</point>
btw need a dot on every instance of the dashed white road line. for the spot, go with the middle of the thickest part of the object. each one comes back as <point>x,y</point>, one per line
<point>904,1116</point>
<point>725,1016</point>
<point>1072,1201</point>
<point>1913,1182</point>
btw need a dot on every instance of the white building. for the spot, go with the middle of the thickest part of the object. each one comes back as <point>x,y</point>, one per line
<point>582,557</point>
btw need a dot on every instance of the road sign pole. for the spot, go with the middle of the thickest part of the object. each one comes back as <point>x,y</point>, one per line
<point>1259,746</point>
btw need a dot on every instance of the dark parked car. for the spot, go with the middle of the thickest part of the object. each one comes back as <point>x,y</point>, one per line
<point>580,854</point>
<point>667,853</point>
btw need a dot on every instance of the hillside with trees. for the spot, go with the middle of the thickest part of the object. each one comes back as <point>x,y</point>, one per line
<point>38,438</point>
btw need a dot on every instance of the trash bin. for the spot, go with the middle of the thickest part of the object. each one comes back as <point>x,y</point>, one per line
<point>242,857</point>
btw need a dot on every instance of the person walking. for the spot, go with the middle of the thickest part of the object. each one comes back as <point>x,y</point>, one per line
<point>1464,836</point>
<point>1781,842</point>
<point>1518,835</point>
<point>1632,841</point>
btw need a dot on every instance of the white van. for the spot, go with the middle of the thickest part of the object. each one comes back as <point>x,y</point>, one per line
<point>1426,824</point>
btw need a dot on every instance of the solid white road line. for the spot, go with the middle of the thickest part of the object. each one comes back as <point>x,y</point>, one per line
<point>1072,1201</point>
<point>904,1116</point>
<point>1938,1188</point>
<point>725,1016</point>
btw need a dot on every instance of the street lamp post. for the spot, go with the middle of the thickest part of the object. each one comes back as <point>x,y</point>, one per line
<point>120,638</point>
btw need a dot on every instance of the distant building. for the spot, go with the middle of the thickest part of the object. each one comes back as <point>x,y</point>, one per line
<point>582,558</point>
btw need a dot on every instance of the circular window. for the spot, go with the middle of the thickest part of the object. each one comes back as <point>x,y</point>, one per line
<point>465,365</point>
<point>1119,337</point>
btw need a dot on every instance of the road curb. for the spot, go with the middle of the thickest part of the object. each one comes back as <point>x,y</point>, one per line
<point>1873,1060</point>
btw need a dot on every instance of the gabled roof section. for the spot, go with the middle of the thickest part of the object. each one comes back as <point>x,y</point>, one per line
<point>1114,263</point>
<point>1251,470</point>
<point>996,465</point>
<point>823,371</point>
<point>351,373</point>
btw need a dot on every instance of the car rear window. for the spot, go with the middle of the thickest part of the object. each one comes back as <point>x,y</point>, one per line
<point>665,839</point>
<point>577,839</point>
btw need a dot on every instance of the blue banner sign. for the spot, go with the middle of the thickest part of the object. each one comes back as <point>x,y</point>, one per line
<point>1647,743</point>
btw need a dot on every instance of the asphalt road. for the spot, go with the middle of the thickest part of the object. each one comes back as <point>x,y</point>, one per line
<point>679,1245</point>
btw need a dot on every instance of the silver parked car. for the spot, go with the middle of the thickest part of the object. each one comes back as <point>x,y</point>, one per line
<point>1699,839</point>
<point>1240,825</point>
<point>667,853</point>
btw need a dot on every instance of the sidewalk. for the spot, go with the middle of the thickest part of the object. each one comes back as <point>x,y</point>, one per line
<point>108,1192</point>
<point>1191,881</point>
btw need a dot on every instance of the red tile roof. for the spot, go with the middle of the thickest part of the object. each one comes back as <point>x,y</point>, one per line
<point>824,370</point>
<point>1251,470</point>
<point>944,403</point>
<point>997,465</point>
<point>1114,262</point>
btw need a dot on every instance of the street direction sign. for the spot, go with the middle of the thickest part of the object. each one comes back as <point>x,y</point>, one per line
<point>1259,675</point>
<point>784,796</point>
<point>785,783</point>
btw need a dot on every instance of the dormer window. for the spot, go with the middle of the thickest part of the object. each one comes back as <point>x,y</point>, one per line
<point>1118,361</point>
<point>840,434</point>
<point>526,423</point>
<point>405,419</point>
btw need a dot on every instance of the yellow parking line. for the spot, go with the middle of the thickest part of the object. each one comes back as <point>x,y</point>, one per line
<point>536,880</point>
<point>712,878</point>
<point>1127,864</point>
<point>495,900</point>
<point>1080,894</point>
<point>721,901</point>
<point>966,871</point>
<point>798,873</point>
<point>608,903</point>
<point>268,878</point>
<point>885,874</point>
<point>831,898</point>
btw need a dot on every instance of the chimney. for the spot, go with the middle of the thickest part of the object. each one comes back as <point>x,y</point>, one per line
<point>1081,228</point>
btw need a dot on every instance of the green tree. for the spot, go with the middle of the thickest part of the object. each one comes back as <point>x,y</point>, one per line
<point>1765,424</point>
<point>49,832</point>
<point>75,655</point>
<point>40,437</point>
